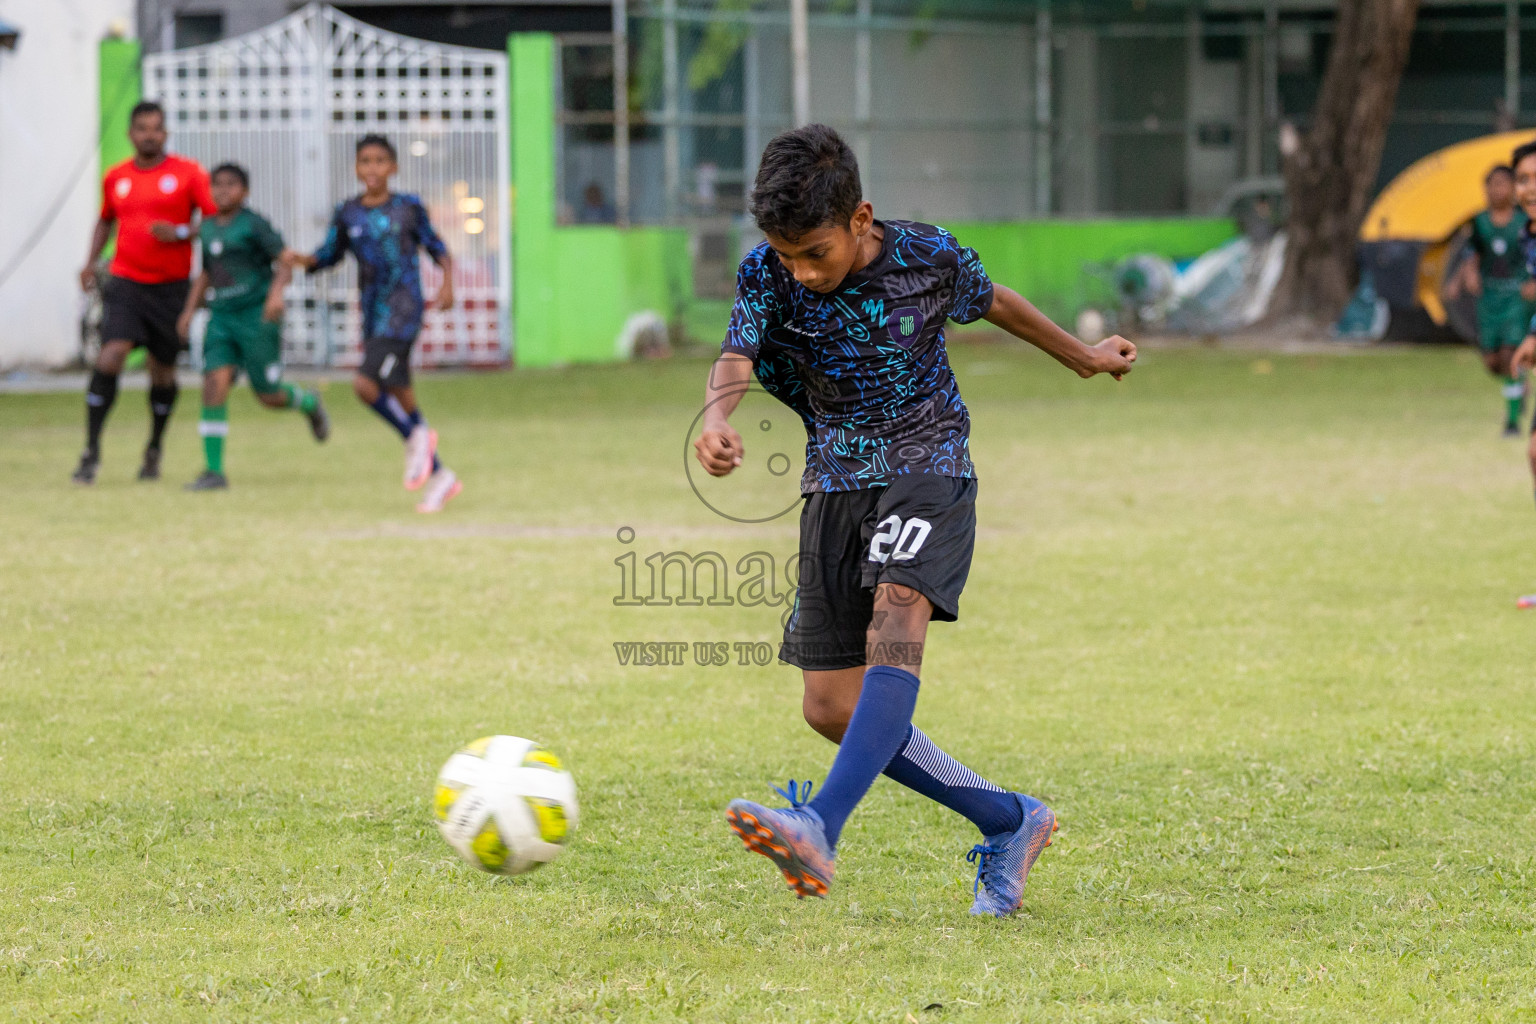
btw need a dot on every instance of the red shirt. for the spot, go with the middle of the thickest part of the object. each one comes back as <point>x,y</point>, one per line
<point>135,198</point>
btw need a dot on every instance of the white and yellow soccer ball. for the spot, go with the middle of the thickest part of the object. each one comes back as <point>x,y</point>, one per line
<point>505,804</point>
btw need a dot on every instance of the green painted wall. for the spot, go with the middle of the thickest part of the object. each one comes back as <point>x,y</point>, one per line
<point>120,85</point>
<point>1054,263</point>
<point>574,287</point>
<point>120,88</point>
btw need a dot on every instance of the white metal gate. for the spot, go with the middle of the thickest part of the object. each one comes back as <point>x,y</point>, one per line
<point>289,103</point>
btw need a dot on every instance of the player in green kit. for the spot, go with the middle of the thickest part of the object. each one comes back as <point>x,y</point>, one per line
<point>244,292</point>
<point>1496,275</point>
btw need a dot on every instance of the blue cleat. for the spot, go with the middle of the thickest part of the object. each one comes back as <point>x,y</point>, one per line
<point>1003,861</point>
<point>793,838</point>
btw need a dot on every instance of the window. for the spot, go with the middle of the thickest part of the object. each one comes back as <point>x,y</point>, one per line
<point>198,29</point>
<point>587,185</point>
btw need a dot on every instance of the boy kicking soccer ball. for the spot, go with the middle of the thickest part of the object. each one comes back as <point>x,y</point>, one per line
<point>841,316</point>
<point>383,230</point>
<point>245,330</point>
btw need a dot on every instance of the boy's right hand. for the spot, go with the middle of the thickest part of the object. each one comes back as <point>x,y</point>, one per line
<point>1524,357</point>
<point>718,449</point>
<point>184,325</point>
<point>1474,281</point>
<point>293,258</point>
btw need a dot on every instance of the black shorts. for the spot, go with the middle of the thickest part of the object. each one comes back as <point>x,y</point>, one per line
<point>388,361</point>
<point>919,532</point>
<point>144,314</point>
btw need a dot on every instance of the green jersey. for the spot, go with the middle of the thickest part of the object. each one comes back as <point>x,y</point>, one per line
<point>237,257</point>
<point>1498,249</point>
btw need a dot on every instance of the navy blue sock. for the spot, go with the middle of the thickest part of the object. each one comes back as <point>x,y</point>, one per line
<point>924,768</point>
<point>392,412</point>
<point>876,731</point>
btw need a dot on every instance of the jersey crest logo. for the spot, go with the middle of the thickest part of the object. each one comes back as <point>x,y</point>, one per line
<point>123,187</point>
<point>168,183</point>
<point>905,325</point>
<point>1500,246</point>
<point>216,247</point>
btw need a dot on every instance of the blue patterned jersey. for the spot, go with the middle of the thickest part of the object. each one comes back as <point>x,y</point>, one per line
<point>384,239</point>
<point>865,365</point>
<point>1528,258</point>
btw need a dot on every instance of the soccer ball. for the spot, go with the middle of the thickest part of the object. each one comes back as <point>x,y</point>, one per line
<point>505,804</point>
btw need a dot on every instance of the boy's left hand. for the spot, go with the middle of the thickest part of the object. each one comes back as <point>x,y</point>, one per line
<point>444,300</point>
<point>272,312</point>
<point>1114,356</point>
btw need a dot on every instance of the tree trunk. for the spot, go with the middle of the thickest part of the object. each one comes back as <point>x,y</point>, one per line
<point>1330,177</point>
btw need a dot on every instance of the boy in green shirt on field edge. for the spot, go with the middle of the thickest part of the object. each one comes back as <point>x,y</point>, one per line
<point>1496,275</point>
<point>245,296</point>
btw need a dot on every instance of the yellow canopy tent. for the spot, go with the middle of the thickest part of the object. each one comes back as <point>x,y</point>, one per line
<point>1429,202</point>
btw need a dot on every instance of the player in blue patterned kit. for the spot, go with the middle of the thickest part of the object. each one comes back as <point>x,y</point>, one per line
<point>383,230</point>
<point>841,317</point>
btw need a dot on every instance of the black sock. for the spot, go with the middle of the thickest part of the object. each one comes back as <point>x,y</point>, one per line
<point>99,396</point>
<point>161,402</point>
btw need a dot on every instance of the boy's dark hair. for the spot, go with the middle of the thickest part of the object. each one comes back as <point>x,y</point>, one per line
<point>808,178</point>
<point>375,139</point>
<point>234,169</point>
<point>145,107</point>
<point>1503,169</point>
<point>1521,152</point>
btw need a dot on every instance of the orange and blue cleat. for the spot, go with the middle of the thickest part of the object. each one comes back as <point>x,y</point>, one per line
<point>1003,861</point>
<point>793,838</point>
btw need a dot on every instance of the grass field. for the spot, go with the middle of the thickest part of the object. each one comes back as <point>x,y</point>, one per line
<point>1247,622</point>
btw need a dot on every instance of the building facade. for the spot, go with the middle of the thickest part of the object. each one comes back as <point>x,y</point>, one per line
<point>970,109</point>
<point>1018,121</point>
<point>50,119</point>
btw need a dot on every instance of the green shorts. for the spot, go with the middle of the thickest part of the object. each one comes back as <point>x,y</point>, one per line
<point>242,339</point>
<point>1503,317</point>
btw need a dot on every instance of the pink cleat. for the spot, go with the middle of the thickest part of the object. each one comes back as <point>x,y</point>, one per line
<point>442,488</point>
<point>420,450</point>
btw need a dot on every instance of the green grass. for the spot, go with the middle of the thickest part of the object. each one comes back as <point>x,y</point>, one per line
<point>1246,622</point>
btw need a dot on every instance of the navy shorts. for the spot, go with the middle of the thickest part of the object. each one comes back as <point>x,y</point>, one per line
<point>919,532</point>
<point>387,361</point>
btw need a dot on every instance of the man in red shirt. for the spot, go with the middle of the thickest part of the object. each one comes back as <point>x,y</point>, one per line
<point>152,199</point>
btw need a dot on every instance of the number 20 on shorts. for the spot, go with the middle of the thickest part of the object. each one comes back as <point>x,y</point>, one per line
<point>898,541</point>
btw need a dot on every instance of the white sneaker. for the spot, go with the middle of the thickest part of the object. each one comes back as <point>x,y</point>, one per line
<point>442,488</point>
<point>420,448</point>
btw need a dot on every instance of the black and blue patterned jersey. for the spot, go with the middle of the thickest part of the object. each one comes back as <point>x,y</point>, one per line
<point>384,239</point>
<point>1528,257</point>
<point>865,365</point>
